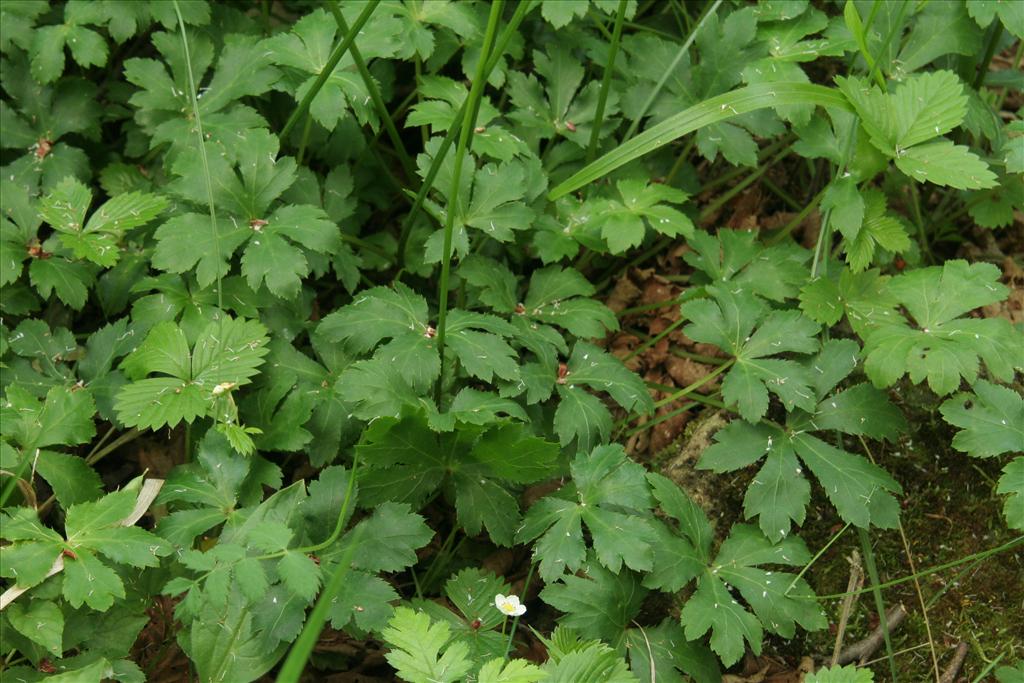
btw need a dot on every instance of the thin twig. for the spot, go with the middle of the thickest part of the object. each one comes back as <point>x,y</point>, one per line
<point>951,672</point>
<point>854,584</point>
<point>863,649</point>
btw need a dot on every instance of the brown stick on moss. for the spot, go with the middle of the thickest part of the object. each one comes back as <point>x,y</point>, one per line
<point>863,649</point>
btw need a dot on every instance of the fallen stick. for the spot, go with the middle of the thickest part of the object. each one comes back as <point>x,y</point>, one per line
<point>852,591</point>
<point>863,649</point>
<point>951,672</point>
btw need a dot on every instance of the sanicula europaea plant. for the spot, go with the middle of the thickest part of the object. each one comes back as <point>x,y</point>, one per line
<point>307,337</point>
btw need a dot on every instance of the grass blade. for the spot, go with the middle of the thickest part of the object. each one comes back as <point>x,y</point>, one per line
<point>709,111</point>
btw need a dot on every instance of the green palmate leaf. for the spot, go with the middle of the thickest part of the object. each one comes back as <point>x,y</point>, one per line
<point>729,321</point>
<point>622,221</point>
<point>407,462</point>
<point>991,420</point>
<point>779,601</point>
<point>416,649</point>
<point>863,297</point>
<point>604,483</point>
<point>561,108</point>
<point>305,50</point>
<point>941,346</point>
<point>190,382</point>
<point>1012,483</point>
<point>778,495</point>
<point>775,272</point>
<point>600,604</point>
<point>97,239</point>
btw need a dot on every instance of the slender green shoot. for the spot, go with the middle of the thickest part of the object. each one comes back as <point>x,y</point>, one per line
<point>476,91</point>
<point>378,102</point>
<point>872,567</point>
<point>332,61</point>
<point>670,69</point>
<point>298,655</point>
<point>201,139</point>
<point>522,9</point>
<point>606,81</point>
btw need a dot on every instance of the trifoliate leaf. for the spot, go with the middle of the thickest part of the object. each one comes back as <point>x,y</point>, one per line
<point>558,296</point>
<point>227,354</point>
<point>97,240</point>
<point>878,228</point>
<point>624,222</point>
<point>991,421</point>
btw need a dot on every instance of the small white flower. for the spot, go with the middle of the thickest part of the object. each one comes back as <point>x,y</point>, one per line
<point>509,605</point>
<point>222,387</point>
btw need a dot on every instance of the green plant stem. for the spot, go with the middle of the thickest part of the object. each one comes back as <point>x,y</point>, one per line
<point>915,205</point>
<point>339,525</point>
<point>689,389</point>
<point>725,197</point>
<point>869,561</point>
<point>606,80</point>
<point>339,51</point>
<point>522,9</point>
<point>655,339</point>
<point>789,227</point>
<point>659,419</point>
<point>201,138</point>
<point>469,120</point>
<point>304,140</point>
<point>378,102</point>
<point>515,619</point>
<point>670,69</point>
<point>790,201</point>
<point>995,32</point>
<point>298,655</point>
<point>817,556</point>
